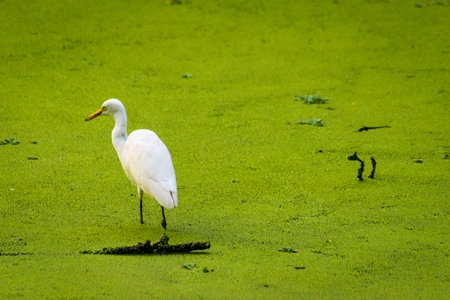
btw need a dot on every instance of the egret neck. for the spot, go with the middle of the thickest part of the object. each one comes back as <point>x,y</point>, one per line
<point>119,135</point>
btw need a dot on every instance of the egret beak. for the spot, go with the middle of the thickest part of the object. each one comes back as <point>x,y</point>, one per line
<point>95,114</point>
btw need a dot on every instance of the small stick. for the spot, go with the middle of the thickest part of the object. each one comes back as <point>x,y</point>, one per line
<point>366,128</point>
<point>374,164</point>
<point>15,254</point>
<point>361,169</point>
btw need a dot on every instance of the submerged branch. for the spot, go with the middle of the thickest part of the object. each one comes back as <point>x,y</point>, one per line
<point>374,165</point>
<point>15,254</point>
<point>161,246</point>
<point>366,128</point>
<point>361,169</point>
<point>355,157</point>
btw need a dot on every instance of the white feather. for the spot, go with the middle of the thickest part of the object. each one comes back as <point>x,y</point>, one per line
<point>150,167</point>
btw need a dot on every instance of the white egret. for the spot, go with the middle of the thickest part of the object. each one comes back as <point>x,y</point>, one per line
<point>144,158</point>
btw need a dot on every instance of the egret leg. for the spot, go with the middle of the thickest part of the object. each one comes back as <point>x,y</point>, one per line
<point>141,193</point>
<point>163,222</point>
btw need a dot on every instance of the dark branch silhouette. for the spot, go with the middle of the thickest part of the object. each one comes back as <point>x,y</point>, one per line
<point>355,157</point>
<point>161,246</point>
<point>361,169</point>
<point>374,164</point>
<point>366,128</point>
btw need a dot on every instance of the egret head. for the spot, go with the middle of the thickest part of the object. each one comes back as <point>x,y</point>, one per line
<point>109,108</point>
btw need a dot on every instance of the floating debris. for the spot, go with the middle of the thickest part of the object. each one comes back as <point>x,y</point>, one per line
<point>311,99</point>
<point>287,249</point>
<point>314,122</point>
<point>432,3</point>
<point>187,75</point>
<point>355,157</point>
<point>374,165</point>
<point>15,254</point>
<point>10,140</point>
<point>189,265</point>
<point>32,157</point>
<point>160,247</point>
<point>366,128</point>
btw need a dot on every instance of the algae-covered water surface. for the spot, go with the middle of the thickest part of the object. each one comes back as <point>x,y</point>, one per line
<point>260,104</point>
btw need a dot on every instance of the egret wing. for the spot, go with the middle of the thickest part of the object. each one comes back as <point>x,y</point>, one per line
<point>151,168</point>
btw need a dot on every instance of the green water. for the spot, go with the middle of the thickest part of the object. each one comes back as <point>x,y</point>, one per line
<point>251,180</point>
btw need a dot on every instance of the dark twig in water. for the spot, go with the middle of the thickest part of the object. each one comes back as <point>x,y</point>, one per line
<point>366,128</point>
<point>361,169</point>
<point>161,246</point>
<point>15,254</point>
<point>374,164</point>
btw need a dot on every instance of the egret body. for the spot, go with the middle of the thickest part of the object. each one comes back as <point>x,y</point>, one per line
<point>144,158</point>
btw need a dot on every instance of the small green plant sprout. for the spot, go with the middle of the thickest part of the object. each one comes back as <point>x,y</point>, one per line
<point>189,265</point>
<point>287,249</point>
<point>314,122</point>
<point>439,3</point>
<point>311,99</point>
<point>432,3</point>
<point>10,140</point>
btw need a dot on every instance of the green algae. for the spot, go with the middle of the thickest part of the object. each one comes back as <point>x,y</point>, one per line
<point>250,180</point>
